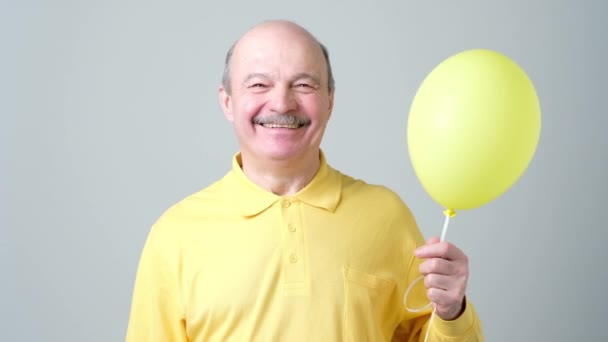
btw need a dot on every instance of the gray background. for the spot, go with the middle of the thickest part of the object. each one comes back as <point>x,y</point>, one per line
<point>109,114</point>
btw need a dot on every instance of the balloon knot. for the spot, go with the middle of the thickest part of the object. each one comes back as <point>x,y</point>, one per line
<point>449,212</point>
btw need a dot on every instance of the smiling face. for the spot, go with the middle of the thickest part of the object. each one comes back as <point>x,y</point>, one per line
<point>278,102</point>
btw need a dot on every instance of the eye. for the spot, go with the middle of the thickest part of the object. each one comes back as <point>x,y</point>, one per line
<point>305,87</point>
<point>257,85</point>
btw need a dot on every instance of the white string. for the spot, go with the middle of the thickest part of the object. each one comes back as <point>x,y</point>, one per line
<point>444,231</point>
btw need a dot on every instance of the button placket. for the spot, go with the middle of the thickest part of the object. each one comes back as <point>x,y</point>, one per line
<point>292,244</point>
<point>293,258</point>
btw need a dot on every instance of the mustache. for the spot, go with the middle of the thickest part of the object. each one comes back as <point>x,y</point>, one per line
<point>281,119</point>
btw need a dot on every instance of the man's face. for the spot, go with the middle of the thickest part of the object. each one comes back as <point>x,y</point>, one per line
<point>279,102</point>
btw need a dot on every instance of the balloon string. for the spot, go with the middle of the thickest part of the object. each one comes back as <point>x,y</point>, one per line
<point>448,213</point>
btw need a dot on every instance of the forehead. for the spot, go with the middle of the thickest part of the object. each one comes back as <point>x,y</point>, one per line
<point>278,54</point>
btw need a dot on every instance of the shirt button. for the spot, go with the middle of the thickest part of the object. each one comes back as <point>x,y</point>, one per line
<point>293,258</point>
<point>286,204</point>
<point>291,228</point>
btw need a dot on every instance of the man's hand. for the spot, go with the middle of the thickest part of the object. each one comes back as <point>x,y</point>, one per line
<point>446,272</point>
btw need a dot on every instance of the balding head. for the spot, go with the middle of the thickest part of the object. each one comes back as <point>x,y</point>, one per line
<point>270,29</point>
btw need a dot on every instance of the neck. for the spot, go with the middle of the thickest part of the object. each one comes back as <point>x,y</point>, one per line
<point>281,177</point>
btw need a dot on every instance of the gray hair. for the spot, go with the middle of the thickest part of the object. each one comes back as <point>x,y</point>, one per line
<point>226,75</point>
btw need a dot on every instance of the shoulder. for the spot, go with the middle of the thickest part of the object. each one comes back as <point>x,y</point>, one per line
<point>201,200</point>
<point>381,207</point>
<point>200,205</point>
<point>377,202</point>
<point>372,194</point>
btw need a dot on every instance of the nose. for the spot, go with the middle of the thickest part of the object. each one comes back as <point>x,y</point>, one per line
<point>282,100</point>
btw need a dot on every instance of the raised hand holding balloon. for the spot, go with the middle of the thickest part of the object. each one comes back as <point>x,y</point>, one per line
<point>472,131</point>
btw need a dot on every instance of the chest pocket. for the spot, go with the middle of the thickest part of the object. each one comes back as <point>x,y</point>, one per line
<point>368,307</point>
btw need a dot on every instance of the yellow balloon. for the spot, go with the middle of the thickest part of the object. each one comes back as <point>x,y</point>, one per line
<point>473,128</point>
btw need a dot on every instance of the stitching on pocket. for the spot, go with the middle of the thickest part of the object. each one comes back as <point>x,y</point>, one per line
<point>367,280</point>
<point>366,297</point>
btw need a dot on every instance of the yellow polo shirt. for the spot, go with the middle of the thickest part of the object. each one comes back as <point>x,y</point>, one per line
<point>234,262</point>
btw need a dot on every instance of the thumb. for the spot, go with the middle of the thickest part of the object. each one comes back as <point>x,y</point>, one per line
<point>432,240</point>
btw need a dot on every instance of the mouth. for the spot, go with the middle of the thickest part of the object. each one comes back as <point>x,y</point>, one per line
<point>276,125</point>
<point>282,121</point>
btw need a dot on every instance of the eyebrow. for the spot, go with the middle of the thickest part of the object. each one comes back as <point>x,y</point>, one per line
<point>302,75</point>
<point>299,76</point>
<point>254,75</point>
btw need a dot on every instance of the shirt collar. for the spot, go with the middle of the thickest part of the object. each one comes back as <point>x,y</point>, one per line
<point>323,191</point>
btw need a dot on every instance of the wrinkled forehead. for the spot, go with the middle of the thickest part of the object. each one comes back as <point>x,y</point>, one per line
<point>279,53</point>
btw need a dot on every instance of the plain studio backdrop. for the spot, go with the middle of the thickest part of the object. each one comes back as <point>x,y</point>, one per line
<point>109,115</point>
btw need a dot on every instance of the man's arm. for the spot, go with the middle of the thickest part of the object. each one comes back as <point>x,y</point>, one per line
<point>156,312</point>
<point>466,328</point>
<point>445,272</point>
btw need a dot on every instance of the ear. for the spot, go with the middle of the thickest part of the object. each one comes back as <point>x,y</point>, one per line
<point>225,103</point>
<point>331,102</point>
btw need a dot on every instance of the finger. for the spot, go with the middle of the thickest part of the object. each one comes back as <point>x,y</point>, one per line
<point>438,266</point>
<point>450,308</point>
<point>444,298</point>
<point>432,240</point>
<point>437,281</point>
<point>443,250</point>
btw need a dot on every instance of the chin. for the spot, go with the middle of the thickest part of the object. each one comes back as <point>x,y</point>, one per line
<point>282,153</point>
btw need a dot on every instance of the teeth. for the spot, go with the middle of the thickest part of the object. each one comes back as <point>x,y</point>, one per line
<point>280,126</point>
